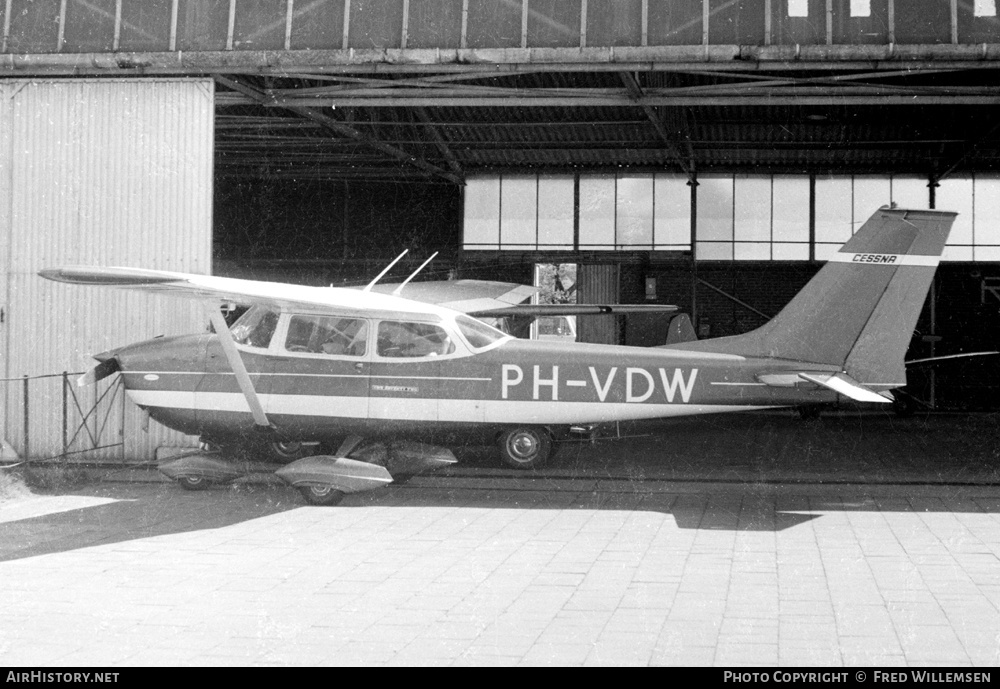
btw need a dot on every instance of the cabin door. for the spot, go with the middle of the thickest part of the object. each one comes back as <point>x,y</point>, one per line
<point>318,384</point>
<point>406,384</point>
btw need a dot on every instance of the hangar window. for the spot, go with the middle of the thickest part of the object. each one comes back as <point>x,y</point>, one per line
<point>834,214</point>
<point>634,212</point>
<point>555,212</point>
<point>504,212</point>
<point>597,212</point>
<point>790,218</point>
<point>870,193</point>
<point>589,212</point>
<point>986,211</point>
<point>861,8</point>
<point>715,218</point>
<point>909,191</point>
<point>753,218</point>
<point>956,194</point>
<point>519,212</point>
<point>984,8</point>
<point>482,213</point>
<point>671,213</point>
<point>844,203</point>
<point>798,8</point>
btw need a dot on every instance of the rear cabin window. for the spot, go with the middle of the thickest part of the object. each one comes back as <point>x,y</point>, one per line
<point>404,340</point>
<point>328,335</point>
<point>478,334</point>
<point>256,327</point>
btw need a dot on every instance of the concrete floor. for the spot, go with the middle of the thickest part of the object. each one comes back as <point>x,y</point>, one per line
<point>855,540</point>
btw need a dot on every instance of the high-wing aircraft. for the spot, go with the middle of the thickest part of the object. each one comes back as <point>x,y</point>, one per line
<point>345,367</point>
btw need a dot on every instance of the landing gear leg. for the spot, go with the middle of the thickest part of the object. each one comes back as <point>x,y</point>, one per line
<point>350,444</point>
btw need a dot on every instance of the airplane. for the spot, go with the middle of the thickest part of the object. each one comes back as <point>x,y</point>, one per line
<point>388,379</point>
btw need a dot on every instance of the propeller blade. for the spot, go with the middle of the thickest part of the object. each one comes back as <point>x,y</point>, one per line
<point>104,369</point>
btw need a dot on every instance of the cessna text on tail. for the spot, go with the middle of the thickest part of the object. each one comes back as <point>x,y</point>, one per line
<point>341,368</point>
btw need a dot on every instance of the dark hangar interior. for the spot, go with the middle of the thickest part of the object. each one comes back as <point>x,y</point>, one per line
<point>348,130</point>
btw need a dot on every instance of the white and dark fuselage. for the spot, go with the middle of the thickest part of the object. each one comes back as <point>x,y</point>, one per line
<point>187,384</point>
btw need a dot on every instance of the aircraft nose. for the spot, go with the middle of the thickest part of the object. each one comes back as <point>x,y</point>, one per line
<point>105,356</point>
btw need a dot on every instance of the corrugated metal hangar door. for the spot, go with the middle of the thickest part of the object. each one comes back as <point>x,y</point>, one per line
<point>598,284</point>
<point>103,172</point>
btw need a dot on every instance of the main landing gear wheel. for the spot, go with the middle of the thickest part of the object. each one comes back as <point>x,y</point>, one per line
<point>194,482</point>
<point>324,496</point>
<point>288,451</point>
<point>525,448</point>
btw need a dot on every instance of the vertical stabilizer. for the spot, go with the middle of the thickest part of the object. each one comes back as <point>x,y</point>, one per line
<point>859,311</point>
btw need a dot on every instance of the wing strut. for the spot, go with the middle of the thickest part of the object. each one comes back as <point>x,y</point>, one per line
<point>236,363</point>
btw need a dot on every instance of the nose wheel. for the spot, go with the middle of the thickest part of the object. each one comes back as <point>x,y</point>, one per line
<point>528,447</point>
<point>321,495</point>
<point>194,483</point>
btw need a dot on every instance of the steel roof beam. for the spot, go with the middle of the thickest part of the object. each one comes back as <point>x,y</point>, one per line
<point>636,94</point>
<point>786,99</point>
<point>439,141</point>
<point>879,57</point>
<point>344,130</point>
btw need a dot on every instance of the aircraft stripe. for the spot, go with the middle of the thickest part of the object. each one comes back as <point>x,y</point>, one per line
<point>305,375</point>
<point>892,260</point>
<point>442,410</point>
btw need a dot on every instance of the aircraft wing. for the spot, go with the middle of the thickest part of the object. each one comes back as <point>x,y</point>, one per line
<point>221,290</point>
<point>536,310</point>
<point>490,299</point>
<point>466,296</point>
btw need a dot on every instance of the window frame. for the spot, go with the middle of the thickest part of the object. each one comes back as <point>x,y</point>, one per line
<point>284,325</point>
<point>461,348</point>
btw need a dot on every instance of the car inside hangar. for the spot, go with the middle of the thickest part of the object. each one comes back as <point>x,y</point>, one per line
<point>701,153</point>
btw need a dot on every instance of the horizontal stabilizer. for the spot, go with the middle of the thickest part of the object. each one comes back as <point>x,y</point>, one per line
<point>343,474</point>
<point>843,384</point>
<point>935,359</point>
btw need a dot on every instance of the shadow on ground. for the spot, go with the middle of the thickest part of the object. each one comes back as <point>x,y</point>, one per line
<point>748,472</point>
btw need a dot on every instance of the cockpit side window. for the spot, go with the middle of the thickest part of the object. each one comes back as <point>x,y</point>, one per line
<point>478,334</point>
<point>256,327</point>
<point>329,335</point>
<point>401,339</point>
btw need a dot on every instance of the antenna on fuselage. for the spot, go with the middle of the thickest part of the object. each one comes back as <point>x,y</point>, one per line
<point>379,276</point>
<point>399,289</point>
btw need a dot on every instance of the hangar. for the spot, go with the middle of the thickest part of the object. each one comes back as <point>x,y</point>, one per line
<point>708,153</point>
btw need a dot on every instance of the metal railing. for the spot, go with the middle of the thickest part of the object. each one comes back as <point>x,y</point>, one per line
<point>85,425</point>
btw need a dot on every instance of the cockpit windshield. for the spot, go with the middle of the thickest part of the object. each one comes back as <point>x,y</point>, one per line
<point>477,333</point>
<point>256,327</point>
